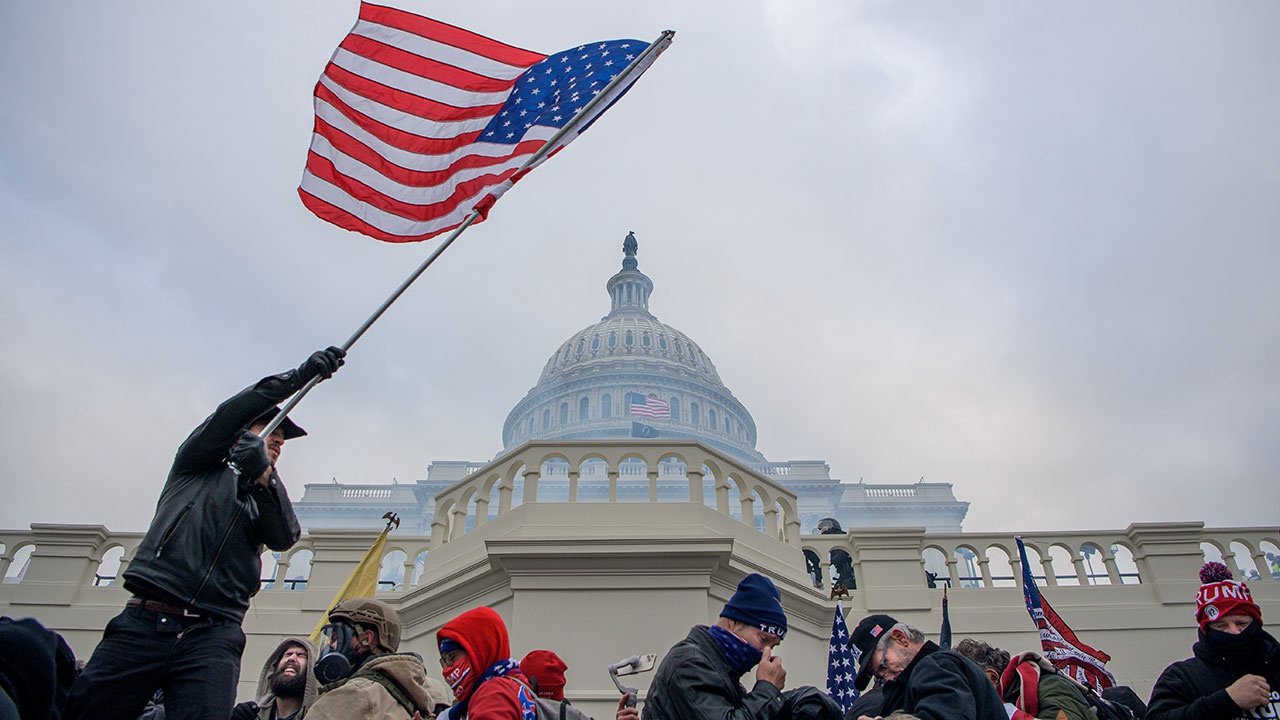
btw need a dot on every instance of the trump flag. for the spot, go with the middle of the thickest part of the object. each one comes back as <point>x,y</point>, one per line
<point>1059,643</point>
<point>419,124</point>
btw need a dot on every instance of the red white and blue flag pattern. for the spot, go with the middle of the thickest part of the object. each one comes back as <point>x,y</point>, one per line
<point>1061,647</point>
<point>842,664</point>
<point>418,123</point>
<point>649,406</point>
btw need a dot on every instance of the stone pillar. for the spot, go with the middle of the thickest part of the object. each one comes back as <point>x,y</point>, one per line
<point>438,530</point>
<point>984,567</point>
<point>653,484</point>
<point>336,554</point>
<point>1264,567</point>
<point>722,496</point>
<point>504,497</point>
<point>695,486</point>
<point>64,560</point>
<point>887,564</point>
<point>573,485</point>
<point>1113,570</point>
<point>1168,556</point>
<point>771,521</point>
<point>482,511</point>
<point>613,485</point>
<point>531,476</point>
<point>458,524</point>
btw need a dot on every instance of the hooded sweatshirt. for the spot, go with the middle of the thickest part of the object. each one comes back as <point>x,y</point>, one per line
<point>363,698</point>
<point>500,689</point>
<point>264,697</point>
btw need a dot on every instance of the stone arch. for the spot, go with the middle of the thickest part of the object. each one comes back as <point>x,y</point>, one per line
<point>999,567</point>
<point>1037,567</point>
<point>1126,566</point>
<point>298,572</point>
<point>593,478</point>
<point>633,478</point>
<point>419,567</point>
<point>1061,557</point>
<point>673,478</point>
<point>1213,552</point>
<point>968,570</point>
<point>391,571</point>
<point>108,570</point>
<point>1242,552</point>
<point>18,562</point>
<point>933,560</point>
<point>1271,555</point>
<point>813,565</point>
<point>514,478</point>
<point>1093,560</point>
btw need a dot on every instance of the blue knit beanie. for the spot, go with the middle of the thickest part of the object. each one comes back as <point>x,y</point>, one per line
<point>756,603</point>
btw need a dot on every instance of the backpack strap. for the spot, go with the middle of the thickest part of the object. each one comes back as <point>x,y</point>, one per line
<point>393,689</point>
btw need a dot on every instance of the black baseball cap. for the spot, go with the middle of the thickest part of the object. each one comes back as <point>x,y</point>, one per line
<point>290,428</point>
<point>864,638</point>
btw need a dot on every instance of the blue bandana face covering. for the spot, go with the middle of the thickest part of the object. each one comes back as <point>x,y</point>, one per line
<point>741,655</point>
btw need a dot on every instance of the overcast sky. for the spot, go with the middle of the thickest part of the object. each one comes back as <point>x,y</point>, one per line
<point>1028,249</point>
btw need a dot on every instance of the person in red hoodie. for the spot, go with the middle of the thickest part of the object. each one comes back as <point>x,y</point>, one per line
<point>475,654</point>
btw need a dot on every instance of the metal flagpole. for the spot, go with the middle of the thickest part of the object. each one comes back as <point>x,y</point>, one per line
<point>641,63</point>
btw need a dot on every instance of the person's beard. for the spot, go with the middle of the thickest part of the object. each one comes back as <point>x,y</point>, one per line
<point>286,686</point>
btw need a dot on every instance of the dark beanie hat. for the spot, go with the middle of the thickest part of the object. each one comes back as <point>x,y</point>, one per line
<point>757,603</point>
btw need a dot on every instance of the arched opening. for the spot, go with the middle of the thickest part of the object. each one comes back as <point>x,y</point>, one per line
<point>18,567</point>
<point>967,568</point>
<point>633,480</point>
<point>606,405</point>
<point>553,485</point>
<point>109,567</point>
<point>694,416</point>
<point>420,565</point>
<point>564,413</point>
<point>935,568</point>
<point>270,560</point>
<point>813,566</point>
<point>675,408</point>
<point>593,480</point>
<point>1063,570</point>
<point>1094,570</point>
<point>1272,555</point>
<point>391,572</point>
<point>999,567</point>
<point>584,409</point>
<point>299,571</point>
<point>842,568</point>
<point>1125,565</point>
<point>1244,561</point>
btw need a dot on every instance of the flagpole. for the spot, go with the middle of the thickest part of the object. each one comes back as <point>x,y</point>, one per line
<point>643,60</point>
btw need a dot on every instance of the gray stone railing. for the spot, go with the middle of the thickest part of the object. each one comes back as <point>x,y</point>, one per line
<point>468,504</point>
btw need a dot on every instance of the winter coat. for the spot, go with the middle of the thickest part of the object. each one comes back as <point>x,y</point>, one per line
<point>1053,692</point>
<point>943,685</point>
<point>264,697</point>
<point>202,549</point>
<point>694,683</point>
<point>360,697</point>
<point>1196,688</point>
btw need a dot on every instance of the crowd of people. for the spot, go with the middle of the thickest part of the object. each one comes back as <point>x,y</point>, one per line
<point>175,650</point>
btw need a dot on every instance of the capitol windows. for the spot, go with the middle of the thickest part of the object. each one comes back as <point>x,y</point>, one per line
<point>662,342</point>
<point>606,406</point>
<point>644,338</point>
<point>546,418</point>
<point>564,413</point>
<point>711,419</point>
<point>595,342</point>
<point>630,339</point>
<point>694,416</point>
<point>613,339</point>
<point>582,345</point>
<point>564,356</point>
<point>675,408</point>
<point>584,408</point>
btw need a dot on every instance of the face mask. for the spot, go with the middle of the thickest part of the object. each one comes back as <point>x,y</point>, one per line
<point>1244,648</point>
<point>338,659</point>
<point>461,678</point>
<point>742,656</point>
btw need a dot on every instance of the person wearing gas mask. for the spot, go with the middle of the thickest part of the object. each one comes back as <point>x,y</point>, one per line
<point>487,684</point>
<point>1235,671</point>
<point>365,677</point>
<point>200,562</point>
<point>287,686</point>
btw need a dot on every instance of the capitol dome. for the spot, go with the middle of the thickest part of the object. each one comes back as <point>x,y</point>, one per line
<point>589,384</point>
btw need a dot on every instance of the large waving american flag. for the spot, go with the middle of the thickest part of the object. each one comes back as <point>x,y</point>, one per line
<point>1059,643</point>
<point>648,406</point>
<point>418,123</point>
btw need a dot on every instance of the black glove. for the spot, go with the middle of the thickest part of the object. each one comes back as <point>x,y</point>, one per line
<point>249,455</point>
<point>247,710</point>
<point>322,364</point>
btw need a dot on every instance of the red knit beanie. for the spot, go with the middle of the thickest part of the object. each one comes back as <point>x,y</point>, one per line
<point>1220,595</point>
<point>547,669</point>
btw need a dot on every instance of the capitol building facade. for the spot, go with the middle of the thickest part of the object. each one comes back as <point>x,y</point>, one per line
<point>632,377</point>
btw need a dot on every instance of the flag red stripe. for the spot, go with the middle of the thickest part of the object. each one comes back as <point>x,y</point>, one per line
<point>416,105</point>
<point>345,220</point>
<point>408,62</point>
<point>393,136</point>
<point>448,34</point>
<point>417,178</point>
<point>324,169</point>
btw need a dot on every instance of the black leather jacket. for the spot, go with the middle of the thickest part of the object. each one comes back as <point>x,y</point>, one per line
<point>693,683</point>
<point>943,685</point>
<point>203,548</point>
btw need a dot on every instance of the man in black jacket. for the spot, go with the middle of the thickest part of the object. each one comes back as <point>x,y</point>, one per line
<point>1235,668</point>
<point>700,677</point>
<point>199,564</point>
<point>920,678</point>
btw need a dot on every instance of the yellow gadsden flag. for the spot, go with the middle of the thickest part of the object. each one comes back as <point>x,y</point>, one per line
<point>363,581</point>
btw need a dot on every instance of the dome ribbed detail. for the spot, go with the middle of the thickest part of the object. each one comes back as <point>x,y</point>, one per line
<point>584,387</point>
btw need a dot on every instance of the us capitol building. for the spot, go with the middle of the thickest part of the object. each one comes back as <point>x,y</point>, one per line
<point>585,392</point>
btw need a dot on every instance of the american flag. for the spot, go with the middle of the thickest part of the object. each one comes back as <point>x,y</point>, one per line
<point>418,123</point>
<point>842,665</point>
<point>1059,643</point>
<point>649,406</point>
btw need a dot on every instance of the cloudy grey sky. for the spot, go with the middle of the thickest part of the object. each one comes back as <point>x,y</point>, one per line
<point>1027,249</point>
